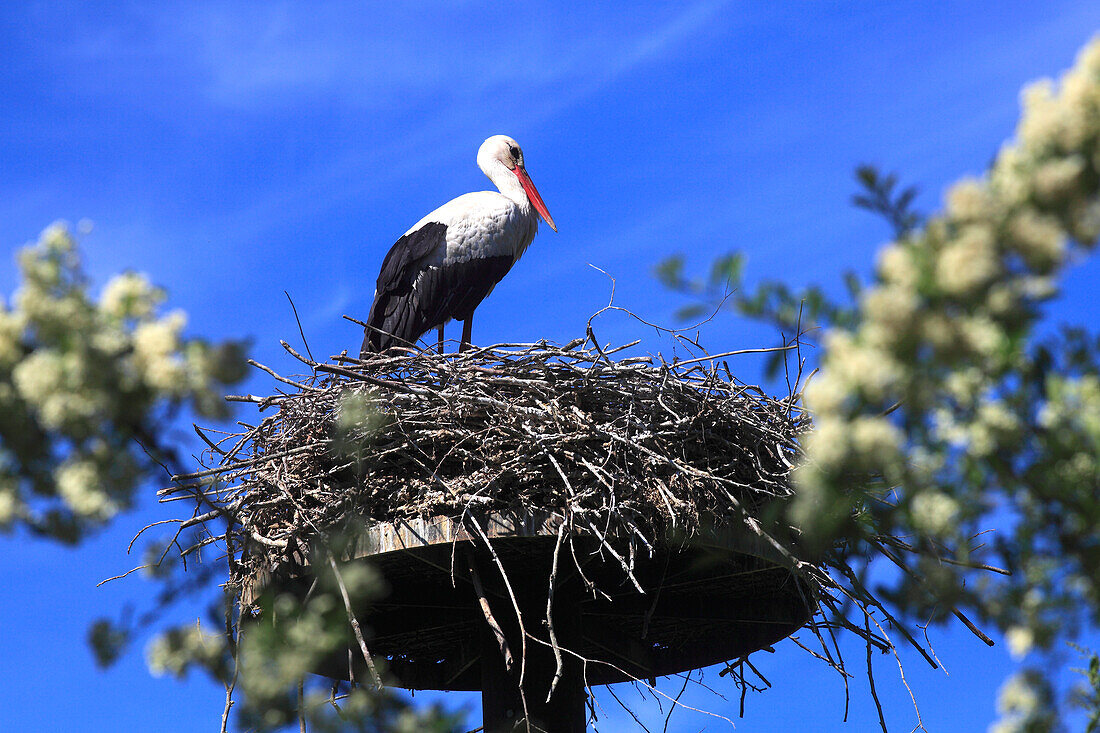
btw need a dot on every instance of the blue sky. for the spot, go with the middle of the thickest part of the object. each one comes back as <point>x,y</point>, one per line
<point>237,150</point>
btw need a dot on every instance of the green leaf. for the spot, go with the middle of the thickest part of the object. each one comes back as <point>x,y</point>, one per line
<point>670,272</point>
<point>726,270</point>
<point>853,283</point>
<point>867,175</point>
<point>108,641</point>
<point>690,312</point>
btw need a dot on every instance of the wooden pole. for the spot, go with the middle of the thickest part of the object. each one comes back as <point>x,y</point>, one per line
<point>501,702</point>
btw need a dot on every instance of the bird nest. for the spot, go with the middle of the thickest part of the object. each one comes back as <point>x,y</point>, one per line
<point>625,449</point>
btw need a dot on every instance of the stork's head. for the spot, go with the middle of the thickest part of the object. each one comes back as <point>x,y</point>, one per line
<point>501,150</point>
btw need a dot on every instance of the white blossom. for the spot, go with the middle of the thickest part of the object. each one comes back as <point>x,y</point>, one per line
<point>80,484</point>
<point>965,385</point>
<point>980,441</point>
<point>111,341</point>
<point>827,445</point>
<point>1010,180</point>
<point>868,368</point>
<point>56,238</point>
<point>813,499</point>
<point>72,365</point>
<point>1037,288</point>
<point>992,425</point>
<point>1088,58</point>
<point>156,344</point>
<point>11,336</point>
<point>130,295</point>
<point>172,654</point>
<point>168,374</point>
<point>1038,238</point>
<point>825,394</point>
<point>39,375</point>
<point>968,200</point>
<point>1056,179</point>
<point>947,428</point>
<point>896,266</point>
<point>968,262</point>
<point>891,304</point>
<point>156,339</point>
<point>1084,221</point>
<point>9,502</point>
<point>43,309</point>
<point>998,417</point>
<point>934,512</point>
<point>981,335</point>
<point>939,331</point>
<point>1020,640</point>
<point>1080,104</point>
<point>924,463</point>
<point>875,438</point>
<point>1041,123</point>
<point>1058,118</point>
<point>1018,697</point>
<point>1073,401</point>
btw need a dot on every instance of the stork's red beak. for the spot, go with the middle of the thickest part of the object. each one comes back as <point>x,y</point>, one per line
<point>533,195</point>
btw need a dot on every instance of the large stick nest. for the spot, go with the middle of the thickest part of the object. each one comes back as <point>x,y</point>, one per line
<point>628,448</point>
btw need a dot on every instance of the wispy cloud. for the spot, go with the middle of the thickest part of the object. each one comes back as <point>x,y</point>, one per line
<point>429,75</point>
<point>260,55</point>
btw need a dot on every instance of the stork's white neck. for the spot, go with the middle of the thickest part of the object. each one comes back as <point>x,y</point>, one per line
<point>507,183</point>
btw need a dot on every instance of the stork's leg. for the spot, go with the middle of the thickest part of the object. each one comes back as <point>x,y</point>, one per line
<point>441,338</point>
<point>467,328</point>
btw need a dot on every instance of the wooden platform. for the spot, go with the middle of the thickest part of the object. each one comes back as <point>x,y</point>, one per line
<point>707,600</point>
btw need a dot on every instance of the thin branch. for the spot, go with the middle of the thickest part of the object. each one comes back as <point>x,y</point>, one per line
<point>487,612</point>
<point>355,624</point>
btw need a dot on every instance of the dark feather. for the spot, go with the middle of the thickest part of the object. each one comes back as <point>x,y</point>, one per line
<point>413,297</point>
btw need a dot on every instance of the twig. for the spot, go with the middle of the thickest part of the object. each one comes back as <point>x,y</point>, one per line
<point>487,612</point>
<point>299,322</point>
<point>871,679</point>
<point>676,700</point>
<point>550,613</point>
<point>301,706</point>
<point>355,624</point>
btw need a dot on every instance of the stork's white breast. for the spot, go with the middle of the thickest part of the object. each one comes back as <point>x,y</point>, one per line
<point>481,224</point>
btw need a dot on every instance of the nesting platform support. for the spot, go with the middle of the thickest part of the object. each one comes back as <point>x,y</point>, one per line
<point>502,705</point>
<point>707,599</point>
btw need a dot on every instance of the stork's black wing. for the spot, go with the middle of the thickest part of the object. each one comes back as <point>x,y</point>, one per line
<point>413,295</point>
<point>391,320</point>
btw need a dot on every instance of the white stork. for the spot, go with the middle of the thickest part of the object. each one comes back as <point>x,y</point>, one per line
<point>450,260</point>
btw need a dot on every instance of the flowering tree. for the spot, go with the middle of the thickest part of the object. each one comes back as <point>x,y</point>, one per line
<point>86,386</point>
<point>88,389</point>
<point>944,406</point>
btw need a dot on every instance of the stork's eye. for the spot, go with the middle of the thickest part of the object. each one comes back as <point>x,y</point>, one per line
<point>515,152</point>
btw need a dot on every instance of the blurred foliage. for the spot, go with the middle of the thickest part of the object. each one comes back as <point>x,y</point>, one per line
<point>1025,704</point>
<point>773,302</point>
<point>1087,695</point>
<point>89,390</point>
<point>266,660</point>
<point>947,404</point>
<point>176,577</point>
<point>86,386</point>
<point>880,195</point>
